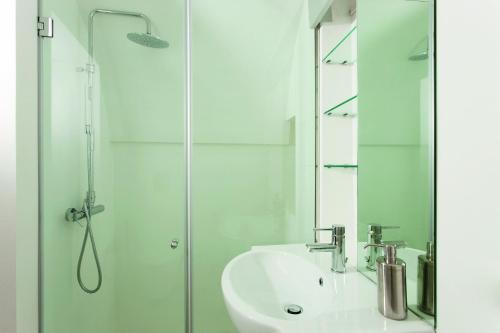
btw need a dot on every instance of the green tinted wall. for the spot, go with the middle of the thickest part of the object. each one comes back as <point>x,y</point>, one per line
<point>253,128</point>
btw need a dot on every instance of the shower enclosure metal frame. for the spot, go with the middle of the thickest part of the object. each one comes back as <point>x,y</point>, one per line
<point>188,145</point>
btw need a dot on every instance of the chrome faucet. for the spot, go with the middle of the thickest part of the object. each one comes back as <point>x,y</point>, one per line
<point>336,247</point>
<point>375,237</point>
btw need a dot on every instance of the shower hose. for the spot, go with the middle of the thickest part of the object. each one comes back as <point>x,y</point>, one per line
<point>88,232</point>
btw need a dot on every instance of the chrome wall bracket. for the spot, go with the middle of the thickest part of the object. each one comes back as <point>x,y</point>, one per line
<point>45,27</point>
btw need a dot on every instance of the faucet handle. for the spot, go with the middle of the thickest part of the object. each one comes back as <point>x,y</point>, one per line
<point>336,229</point>
<point>390,249</point>
<point>375,228</point>
<point>399,243</point>
<point>338,232</point>
<point>323,229</point>
<point>396,244</point>
<point>374,245</point>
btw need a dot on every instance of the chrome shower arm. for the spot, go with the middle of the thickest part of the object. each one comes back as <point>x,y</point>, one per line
<point>89,127</point>
<point>93,13</point>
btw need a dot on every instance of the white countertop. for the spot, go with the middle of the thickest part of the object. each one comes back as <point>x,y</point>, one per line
<point>355,300</point>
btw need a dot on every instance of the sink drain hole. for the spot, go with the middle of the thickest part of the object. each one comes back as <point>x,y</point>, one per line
<point>293,309</point>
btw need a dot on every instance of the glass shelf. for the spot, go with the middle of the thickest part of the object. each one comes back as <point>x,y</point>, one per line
<point>343,166</point>
<point>347,108</point>
<point>343,53</point>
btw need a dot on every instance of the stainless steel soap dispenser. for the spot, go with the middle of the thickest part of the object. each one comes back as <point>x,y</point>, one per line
<point>391,276</point>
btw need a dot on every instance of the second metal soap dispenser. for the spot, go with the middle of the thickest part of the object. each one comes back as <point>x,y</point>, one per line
<point>426,281</point>
<point>391,276</point>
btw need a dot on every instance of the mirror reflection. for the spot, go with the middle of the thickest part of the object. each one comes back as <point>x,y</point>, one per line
<point>396,141</point>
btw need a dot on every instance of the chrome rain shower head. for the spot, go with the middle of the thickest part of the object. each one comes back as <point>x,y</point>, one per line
<point>420,51</point>
<point>147,40</point>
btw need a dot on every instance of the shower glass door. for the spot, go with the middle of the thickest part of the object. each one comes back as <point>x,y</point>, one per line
<point>253,162</point>
<point>112,157</point>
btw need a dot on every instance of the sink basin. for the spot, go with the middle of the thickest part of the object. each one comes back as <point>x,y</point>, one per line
<point>260,285</point>
<point>271,291</point>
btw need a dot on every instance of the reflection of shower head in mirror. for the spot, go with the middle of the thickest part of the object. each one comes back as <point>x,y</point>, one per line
<point>424,55</point>
<point>420,51</point>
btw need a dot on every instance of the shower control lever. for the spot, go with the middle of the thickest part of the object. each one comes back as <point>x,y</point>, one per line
<point>75,215</point>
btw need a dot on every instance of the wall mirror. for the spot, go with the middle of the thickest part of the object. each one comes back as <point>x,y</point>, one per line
<point>396,135</point>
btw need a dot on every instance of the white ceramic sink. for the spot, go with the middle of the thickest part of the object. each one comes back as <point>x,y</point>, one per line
<point>258,286</point>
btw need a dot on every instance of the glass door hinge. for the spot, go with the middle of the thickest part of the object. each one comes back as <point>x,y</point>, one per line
<point>45,27</point>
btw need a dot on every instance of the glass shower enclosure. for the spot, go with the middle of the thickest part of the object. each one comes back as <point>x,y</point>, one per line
<point>112,144</point>
<point>175,135</point>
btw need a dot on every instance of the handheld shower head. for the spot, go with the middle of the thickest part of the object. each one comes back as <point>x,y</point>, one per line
<point>147,40</point>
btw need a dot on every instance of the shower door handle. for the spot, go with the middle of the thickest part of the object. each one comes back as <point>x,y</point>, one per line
<point>174,243</point>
